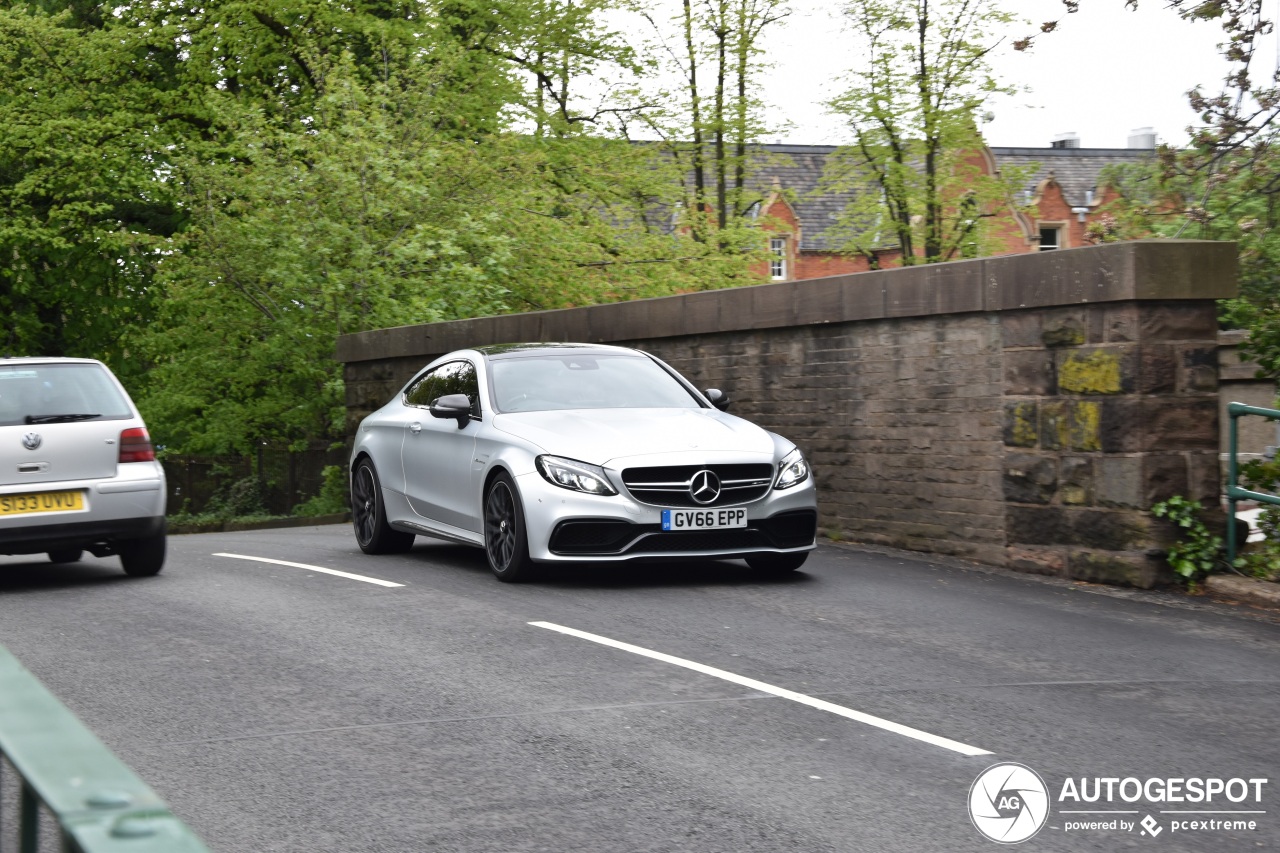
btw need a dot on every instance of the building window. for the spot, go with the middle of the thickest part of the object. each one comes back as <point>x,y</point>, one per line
<point>778,263</point>
<point>1049,237</point>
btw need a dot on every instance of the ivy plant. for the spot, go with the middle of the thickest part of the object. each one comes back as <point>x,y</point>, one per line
<point>1197,550</point>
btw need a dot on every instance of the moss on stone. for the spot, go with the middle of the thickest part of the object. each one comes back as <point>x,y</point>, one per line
<point>1096,373</point>
<point>1086,426</point>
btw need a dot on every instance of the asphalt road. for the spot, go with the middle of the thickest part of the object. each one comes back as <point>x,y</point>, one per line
<point>278,708</point>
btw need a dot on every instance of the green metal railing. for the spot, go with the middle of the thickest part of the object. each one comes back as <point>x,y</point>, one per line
<point>98,804</point>
<point>1234,493</point>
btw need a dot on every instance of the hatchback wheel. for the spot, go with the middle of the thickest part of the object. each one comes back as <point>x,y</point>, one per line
<point>506,542</point>
<point>369,516</point>
<point>142,558</point>
<point>66,555</point>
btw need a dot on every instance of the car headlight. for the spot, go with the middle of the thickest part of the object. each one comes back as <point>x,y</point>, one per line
<point>792,470</point>
<point>571,474</point>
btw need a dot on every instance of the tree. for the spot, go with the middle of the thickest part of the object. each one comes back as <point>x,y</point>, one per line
<point>1224,185</point>
<point>88,121</point>
<point>710,126</point>
<point>1237,129</point>
<point>912,110</point>
<point>207,196</point>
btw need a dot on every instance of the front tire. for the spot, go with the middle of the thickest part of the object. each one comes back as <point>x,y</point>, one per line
<point>777,564</point>
<point>506,541</point>
<point>369,515</point>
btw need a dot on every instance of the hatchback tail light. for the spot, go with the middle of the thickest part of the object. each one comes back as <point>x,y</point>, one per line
<point>135,446</point>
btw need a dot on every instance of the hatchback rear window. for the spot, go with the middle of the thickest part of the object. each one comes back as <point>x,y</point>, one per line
<point>53,393</point>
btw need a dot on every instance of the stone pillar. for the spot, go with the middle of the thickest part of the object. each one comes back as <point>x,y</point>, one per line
<point>1109,409</point>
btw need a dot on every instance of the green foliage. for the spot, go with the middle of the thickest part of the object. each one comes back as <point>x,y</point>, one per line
<point>207,196</point>
<point>913,109</point>
<point>1197,551</point>
<point>240,499</point>
<point>88,120</point>
<point>1262,559</point>
<point>333,495</point>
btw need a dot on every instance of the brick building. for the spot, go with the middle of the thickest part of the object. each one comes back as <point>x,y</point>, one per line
<point>1061,198</point>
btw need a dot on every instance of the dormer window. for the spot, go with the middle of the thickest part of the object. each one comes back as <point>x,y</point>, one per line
<point>778,261</point>
<point>1050,237</point>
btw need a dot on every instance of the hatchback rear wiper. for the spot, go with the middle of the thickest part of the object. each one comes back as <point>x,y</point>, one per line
<point>60,419</point>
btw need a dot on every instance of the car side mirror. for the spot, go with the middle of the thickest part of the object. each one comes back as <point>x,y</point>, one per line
<point>718,398</point>
<point>456,406</point>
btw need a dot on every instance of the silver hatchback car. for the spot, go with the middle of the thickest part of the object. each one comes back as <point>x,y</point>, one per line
<point>77,469</point>
<point>566,453</point>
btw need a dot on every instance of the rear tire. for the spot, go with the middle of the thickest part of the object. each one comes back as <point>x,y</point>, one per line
<point>369,515</point>
<point>66,555</point>
<point>506,541</point>
<point>142,558</point>
<point>777,564</point>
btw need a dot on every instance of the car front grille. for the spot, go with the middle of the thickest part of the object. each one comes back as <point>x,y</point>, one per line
<point>668,485</point>
<point>600,537</point>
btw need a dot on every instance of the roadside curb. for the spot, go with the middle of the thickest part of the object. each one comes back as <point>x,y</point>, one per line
<point>1247,590</point>
<point>265,524</point>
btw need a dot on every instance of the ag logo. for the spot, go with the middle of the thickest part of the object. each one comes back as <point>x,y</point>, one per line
<point>1008,803</point>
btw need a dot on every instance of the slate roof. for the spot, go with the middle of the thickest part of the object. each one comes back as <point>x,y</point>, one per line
<point>799,169</point>
<point>1076,169</point>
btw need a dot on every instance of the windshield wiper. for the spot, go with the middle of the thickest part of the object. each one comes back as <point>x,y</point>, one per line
<point>60,419</point>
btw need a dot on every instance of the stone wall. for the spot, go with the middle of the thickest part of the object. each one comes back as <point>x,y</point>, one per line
<point>1022,411</point>
<point>1239,383</point>
<point>1109,409</point>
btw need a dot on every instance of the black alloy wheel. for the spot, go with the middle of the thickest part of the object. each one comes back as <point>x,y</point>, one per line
<point>369,517</point>
<point>506,543</point>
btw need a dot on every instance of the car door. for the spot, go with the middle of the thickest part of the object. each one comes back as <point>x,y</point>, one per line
<point>436,453</point>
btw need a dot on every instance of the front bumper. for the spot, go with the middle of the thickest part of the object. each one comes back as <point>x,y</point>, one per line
<point>566,526</point>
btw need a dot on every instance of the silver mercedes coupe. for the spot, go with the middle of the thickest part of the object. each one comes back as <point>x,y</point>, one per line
<point>576,453</point>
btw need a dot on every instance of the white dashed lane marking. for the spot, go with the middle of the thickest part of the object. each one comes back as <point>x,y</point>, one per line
<point>821,705</point>
<point>347,575</point>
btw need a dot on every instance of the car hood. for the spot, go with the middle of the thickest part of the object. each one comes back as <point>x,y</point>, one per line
<point>600,436</point>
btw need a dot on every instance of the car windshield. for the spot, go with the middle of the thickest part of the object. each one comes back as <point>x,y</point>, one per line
<point>547,382</point>
<point>58,393</point>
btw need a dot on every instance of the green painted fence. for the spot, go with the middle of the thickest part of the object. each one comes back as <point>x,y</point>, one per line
<point>98,804</point>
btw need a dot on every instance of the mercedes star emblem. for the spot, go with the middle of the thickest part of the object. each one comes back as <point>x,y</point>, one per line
<point>32,441</point>
<point>704,487</point>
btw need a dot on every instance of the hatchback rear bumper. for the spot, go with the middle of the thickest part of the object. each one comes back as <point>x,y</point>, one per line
<point>77,535</point>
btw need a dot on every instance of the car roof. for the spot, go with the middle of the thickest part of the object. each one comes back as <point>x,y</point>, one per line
<point>527,350</point>
<point>45,359</point>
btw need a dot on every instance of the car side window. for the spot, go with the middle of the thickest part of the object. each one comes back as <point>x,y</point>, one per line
<point>455,377</point>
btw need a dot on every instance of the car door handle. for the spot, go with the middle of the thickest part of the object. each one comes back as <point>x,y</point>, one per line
<point>415,427</point>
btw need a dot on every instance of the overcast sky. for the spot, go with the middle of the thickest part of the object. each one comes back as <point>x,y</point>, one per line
<point>1105,72</point>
